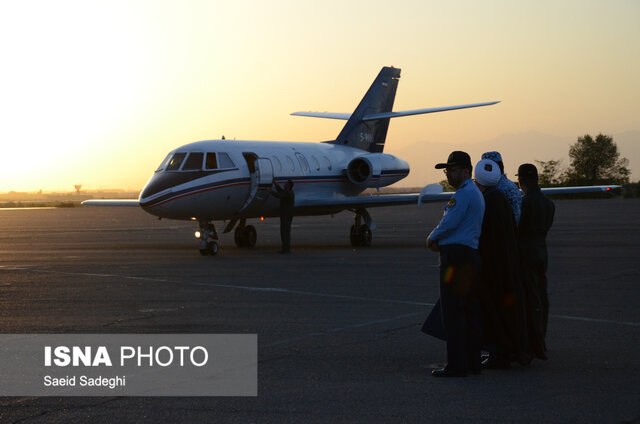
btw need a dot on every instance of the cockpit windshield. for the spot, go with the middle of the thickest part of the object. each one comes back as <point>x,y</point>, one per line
<point>176,161</point>
<point>224,161</point>
<point>211,162</point>
<point>193,162</point>
<point>164,162</point>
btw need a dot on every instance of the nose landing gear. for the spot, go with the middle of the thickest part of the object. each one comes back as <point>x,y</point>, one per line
<point>208,237</point>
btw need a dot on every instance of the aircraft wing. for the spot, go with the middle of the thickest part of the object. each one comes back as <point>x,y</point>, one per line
<point>431,193</point>
<point>573,190</point>
<point>113,202</point>
<point>371,201</point>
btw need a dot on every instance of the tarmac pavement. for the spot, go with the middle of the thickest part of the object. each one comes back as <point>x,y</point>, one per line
<point>338,328</point>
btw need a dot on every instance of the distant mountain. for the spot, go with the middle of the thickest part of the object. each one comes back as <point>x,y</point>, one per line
<point>514,148</point>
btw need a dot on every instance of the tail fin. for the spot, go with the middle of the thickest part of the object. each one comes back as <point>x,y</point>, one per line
<point>370,135</point>
<point>367,126</point>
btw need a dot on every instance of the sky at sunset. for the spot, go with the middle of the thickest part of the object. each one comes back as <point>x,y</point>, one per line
<point>98,92</point>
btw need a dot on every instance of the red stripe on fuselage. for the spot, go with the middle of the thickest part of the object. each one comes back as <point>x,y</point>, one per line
<point>234,185</point>
<point>197,192</point>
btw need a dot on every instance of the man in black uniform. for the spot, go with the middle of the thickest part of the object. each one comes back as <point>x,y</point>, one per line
<point>535,222</point>
<point>287,200</point>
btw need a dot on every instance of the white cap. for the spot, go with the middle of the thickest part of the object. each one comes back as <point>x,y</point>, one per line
<point>487,172</point>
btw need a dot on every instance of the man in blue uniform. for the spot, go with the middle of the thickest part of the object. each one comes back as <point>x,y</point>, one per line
<point>456,239</point>
<point>508,188</point>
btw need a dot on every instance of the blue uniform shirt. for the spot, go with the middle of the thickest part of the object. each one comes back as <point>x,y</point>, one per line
<point>462,219</point>
<point>513,195</point>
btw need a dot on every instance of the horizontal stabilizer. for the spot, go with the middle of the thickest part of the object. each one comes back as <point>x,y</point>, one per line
<point>109,202</point>
<point>328,115</point>
<point>372,117</point>
<point>421,111</point>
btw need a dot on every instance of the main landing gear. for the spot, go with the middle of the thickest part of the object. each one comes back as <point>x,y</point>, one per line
<point>208,237</point>
<point>360,234</point>
<point>245,235</point>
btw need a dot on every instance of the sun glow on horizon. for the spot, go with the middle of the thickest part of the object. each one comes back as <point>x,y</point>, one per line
<point>96,93</point>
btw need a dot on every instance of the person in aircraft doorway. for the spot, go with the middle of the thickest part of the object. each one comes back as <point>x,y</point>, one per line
<point>287,200</point>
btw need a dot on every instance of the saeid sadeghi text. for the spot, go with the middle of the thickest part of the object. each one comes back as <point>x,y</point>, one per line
<point>85,381</point>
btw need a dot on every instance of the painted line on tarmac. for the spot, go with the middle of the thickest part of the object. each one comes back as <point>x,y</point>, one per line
<point>226,286</point>
<point>605,321</point>
<point>345,328</point>
<point>289,291</point>
<point>308,293</point>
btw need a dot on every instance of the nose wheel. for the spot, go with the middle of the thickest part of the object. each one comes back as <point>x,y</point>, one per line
<point>208,237</point>
<point>210,248</point>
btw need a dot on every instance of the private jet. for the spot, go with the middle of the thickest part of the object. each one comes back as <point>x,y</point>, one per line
<point>232,180</point>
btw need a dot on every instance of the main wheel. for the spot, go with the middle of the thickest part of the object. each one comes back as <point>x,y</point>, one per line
<point>239,236</point>
<point>250,236</point>
<point>365,236</point>
<point>354,236</point>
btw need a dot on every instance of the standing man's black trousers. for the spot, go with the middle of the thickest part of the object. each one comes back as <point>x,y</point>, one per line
<point>285,231</point>
<point>534,267</point>
<point>459,270</point>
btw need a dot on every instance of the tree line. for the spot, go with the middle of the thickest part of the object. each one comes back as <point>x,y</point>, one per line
<point>593,161</point>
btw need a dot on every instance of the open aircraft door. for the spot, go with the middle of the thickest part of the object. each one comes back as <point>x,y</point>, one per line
<point>261,180</point>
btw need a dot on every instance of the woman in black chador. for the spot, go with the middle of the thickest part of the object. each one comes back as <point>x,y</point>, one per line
<point>501,293</point>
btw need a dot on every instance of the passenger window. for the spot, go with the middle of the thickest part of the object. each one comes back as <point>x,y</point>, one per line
<point>304,165</point>
<point>291,164</point>
<point>277,162</point>
<point>316,164</point>
<point>193,162</point>
<point>225,161</point>
<point>328,162</point>
<point>164,162</point>
<point>211,162</point>
<point>176,161</point>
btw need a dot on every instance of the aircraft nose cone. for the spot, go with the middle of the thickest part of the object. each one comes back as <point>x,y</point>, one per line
<point>149,188</point>
<point>158,183</point>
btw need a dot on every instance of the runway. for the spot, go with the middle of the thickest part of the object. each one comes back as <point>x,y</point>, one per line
<point>338,327</point>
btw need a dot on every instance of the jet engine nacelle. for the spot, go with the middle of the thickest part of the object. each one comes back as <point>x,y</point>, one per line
<point>376,170</point>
